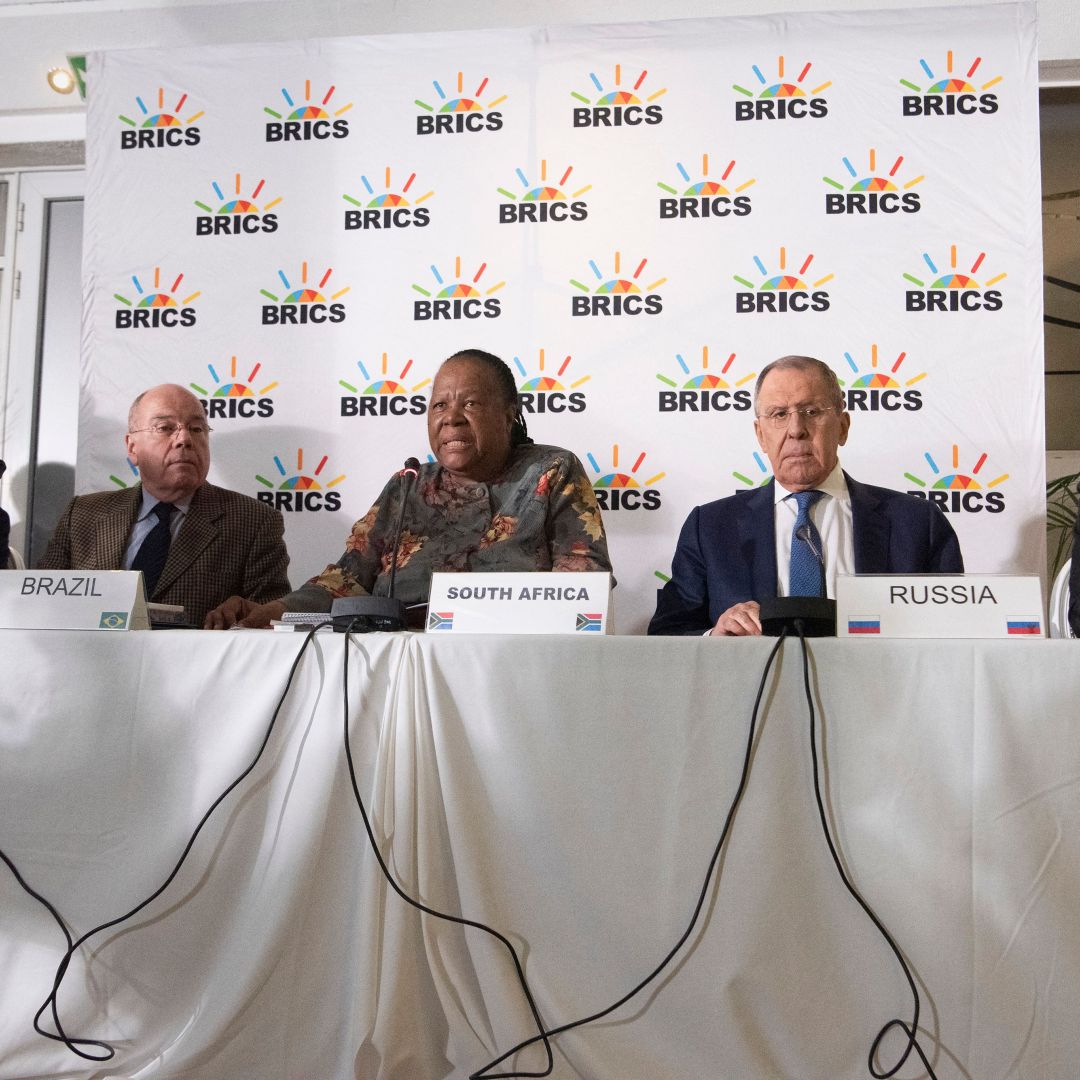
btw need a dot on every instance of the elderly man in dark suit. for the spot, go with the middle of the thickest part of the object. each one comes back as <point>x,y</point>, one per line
<point>196,544</point>
<point>811,522</point>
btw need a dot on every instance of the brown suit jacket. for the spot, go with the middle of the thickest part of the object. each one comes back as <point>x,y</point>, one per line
<point>229,543</point>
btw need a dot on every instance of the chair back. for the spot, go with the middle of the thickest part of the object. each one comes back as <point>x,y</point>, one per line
<point>1059,604</point>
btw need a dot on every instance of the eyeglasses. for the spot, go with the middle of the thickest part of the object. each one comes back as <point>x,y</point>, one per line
<point>812,415</point>
<point>166,429</point>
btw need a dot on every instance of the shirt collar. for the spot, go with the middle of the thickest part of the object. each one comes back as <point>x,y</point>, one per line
<point>146,507</point>
<point>834,484</point>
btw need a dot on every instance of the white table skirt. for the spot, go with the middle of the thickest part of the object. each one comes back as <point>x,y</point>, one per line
<point>568,792</point>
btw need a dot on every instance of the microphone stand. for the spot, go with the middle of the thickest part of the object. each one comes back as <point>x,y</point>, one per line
<point>365,614</point>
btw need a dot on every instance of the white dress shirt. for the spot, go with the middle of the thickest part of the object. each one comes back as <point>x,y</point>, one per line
<point>832,519</point>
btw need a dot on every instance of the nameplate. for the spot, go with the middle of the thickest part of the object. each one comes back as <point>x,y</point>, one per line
<point>939,606</point>
<point>542,603</point>
<point>72,600</point>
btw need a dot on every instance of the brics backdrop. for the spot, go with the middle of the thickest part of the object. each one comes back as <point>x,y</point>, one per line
<point>636,217</point>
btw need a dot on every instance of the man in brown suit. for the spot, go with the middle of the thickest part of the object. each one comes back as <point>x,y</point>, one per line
<point>208,542</point>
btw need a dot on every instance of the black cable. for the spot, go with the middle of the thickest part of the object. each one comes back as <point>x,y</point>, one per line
<point>542,1036</point>
<point>744,776</point>
<point>912,1030</point>
<point>50,1002</point>
<point>25,885</point>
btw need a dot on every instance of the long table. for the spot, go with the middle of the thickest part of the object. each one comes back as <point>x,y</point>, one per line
<point>570,793</point>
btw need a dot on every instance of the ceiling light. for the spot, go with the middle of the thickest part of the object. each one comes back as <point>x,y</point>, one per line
<point>61,80</point>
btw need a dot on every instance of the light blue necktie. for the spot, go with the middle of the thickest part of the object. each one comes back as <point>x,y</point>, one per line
<point>807,573</point>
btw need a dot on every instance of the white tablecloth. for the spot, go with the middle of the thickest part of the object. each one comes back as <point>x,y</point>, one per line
<point>569,792</point>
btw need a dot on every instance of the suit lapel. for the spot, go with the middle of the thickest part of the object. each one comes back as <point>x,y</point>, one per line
<point>757,539</point>
<point>871,530</point>
<point>200,528</point>
<point>112,528</point>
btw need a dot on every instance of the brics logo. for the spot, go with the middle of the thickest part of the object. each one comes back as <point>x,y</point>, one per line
<point>616,490</point>
<point>778,99</point>
<point>457,299</point>
<point>705,392</point>
<point>616,295</point>
<point>543,201</point>
<point>782,292</point>
<point>235,215</point>
<point>460,114</point>
<point>956,492</point>
<point>618,107</point>
<point>758,476</point>
<point>705,198</point>
<point>298,491</point>
<point>383,396</point>
<point>304,305</point>
<point>158,308</point>
<point>161,128</point>
<point>388,210</point>
<point>132,469</point>
<point>233,398</point>
<point>950,95</point>
<point>873,194</point>
<point>877,390</point>
<point>953,290</point>
<point>306,121</point>
<point>546,394</point>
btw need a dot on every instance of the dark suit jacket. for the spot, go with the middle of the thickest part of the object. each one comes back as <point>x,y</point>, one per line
<point>229,543</point>
<point>5,533</point>
<point>1074,584</point>
<point>727,551</point>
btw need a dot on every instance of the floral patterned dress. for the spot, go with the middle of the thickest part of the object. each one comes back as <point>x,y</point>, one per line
<point>540,514</point>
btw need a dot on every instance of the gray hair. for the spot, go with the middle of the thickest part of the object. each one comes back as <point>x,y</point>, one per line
<point>805,363</point>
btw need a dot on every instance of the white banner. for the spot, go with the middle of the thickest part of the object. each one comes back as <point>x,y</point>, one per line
<point>636,217</point>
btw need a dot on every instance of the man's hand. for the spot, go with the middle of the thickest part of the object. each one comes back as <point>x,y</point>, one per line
<point>236,611</point>
<point>740,620</point>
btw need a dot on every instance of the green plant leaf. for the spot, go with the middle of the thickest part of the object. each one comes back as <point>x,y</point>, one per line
<point>1062,507</point>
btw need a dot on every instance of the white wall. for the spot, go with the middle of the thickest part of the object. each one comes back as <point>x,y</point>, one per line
<point>36,36</point>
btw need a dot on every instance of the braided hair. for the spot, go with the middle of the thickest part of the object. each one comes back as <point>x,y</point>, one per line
<point>519,431</point>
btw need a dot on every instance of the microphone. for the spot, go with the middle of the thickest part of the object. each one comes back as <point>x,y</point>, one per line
<point>408,474</point>
<point>808,616</point>
<point>364,614</point>
<point>807,538</point>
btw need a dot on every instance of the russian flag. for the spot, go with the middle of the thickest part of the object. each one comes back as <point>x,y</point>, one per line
<point>1024,626</point>
<point>864,625</point>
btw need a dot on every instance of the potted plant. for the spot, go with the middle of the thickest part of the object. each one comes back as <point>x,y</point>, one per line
<point>1062,505</point>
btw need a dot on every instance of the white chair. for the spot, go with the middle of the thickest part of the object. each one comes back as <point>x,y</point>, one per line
<point>15,560</point>
<point>1059,604</point>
